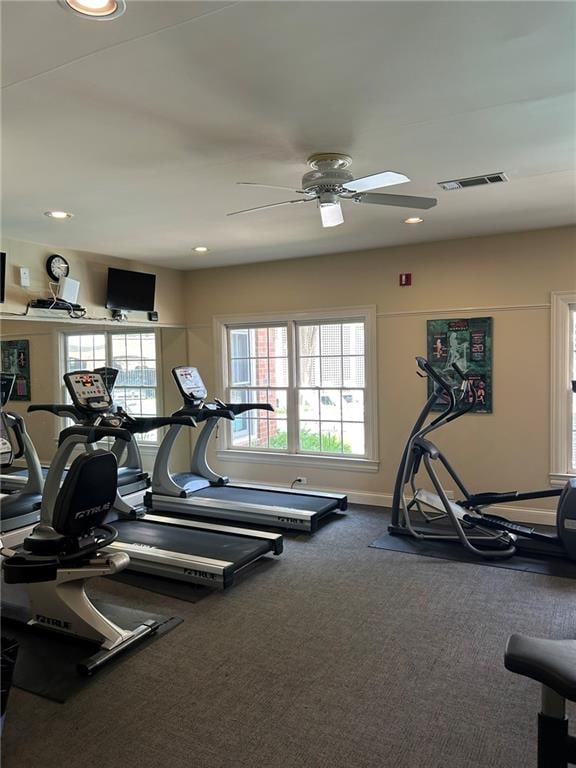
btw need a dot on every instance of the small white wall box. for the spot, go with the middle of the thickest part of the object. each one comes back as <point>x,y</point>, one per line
<point>68,289</point>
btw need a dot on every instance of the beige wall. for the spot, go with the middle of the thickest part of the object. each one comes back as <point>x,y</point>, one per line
<point>507,277</point>
<point>91,270</point>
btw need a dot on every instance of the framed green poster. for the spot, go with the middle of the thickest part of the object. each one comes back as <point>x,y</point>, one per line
<point>16,359</point>
<point>468,343</point>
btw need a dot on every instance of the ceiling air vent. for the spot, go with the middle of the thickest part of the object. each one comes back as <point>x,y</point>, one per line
<point>474,181</point>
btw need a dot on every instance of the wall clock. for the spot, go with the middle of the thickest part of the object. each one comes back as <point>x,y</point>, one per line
<point>57,266</point>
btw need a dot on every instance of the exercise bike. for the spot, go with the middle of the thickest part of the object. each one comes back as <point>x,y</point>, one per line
<point>486,536</point>
<point>64,550</point>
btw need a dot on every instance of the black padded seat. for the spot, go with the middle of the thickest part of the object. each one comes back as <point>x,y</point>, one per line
<point>87,494</point>
<point>550,662</point>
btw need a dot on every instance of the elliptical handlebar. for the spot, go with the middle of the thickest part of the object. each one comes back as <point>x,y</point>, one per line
<point>425,366</point>
<point>442,385</point>
<point>463,375</point>
<point>467,388</point>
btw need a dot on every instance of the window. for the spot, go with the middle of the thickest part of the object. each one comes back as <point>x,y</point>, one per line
<point>313,370</point>
<point>563,376</point>
<point>331,384</point>
<point>135,357</point>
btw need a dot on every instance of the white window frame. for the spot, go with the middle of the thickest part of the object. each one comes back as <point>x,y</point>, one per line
<point>560,389</point>
<point>369,462</point>
<point>145,446</point>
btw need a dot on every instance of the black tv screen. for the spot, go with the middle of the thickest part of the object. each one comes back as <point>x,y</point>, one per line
<point>2,276</point>
<point>130,290</point>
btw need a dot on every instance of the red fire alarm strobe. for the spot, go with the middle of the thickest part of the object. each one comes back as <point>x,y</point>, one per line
<point>405,278</point>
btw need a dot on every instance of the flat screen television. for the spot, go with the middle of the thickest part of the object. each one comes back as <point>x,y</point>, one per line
<point>130,290</point>
<point>2,276</point>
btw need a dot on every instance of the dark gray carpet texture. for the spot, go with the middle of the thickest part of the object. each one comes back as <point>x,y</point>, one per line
<point>335,655</point>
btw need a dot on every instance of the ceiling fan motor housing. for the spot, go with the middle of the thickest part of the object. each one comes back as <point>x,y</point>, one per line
<point>325,180</point>
<point>329,173</point>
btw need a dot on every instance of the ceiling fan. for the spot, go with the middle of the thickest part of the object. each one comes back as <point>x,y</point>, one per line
<point>329,181</point>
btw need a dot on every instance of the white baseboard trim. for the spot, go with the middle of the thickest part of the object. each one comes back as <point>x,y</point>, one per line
<point>517,514</point>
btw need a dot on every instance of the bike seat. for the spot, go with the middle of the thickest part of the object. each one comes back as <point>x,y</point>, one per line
<point>550,662</point>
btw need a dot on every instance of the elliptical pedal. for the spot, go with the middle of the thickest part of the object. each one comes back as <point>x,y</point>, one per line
<point>502,524</point>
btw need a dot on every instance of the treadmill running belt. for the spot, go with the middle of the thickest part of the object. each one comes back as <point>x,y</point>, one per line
<point>267,498</point>
<point>125,474</point>
<point>239,550</point>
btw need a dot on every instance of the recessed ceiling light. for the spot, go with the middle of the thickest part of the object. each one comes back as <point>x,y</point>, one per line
<point>413,220</point>
<point>58,215</point>
<point>102,10</point>
<point>201,249</point>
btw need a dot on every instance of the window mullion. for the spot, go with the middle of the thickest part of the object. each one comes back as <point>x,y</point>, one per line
<point>108,348</point>
<point>292,423</point>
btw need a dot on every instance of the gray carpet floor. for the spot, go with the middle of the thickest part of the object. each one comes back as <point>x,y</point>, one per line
<point>336,655</point>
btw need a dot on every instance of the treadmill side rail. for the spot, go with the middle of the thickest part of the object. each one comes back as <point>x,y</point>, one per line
<point>217,574</point>
<point>277,517</point>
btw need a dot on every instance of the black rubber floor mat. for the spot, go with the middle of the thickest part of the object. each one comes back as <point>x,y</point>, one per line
<point>181,590</point>
<point>46,663</point>
<point>552,566</point>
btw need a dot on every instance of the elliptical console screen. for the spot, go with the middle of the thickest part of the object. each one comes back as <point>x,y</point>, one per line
<point>190,382</point>
<point>88,390</point>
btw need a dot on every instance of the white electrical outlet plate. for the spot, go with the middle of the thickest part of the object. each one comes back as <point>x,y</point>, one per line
<point>24,277</point>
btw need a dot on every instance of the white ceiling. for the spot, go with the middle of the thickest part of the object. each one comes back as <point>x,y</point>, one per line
<point>142,126</point>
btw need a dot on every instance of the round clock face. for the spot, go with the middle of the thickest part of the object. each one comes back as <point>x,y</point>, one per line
<point>57,266</point>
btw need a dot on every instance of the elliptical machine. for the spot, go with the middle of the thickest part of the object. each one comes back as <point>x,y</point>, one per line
<point>64,550</point>
<point>20,508</point>
<point>487,536</point>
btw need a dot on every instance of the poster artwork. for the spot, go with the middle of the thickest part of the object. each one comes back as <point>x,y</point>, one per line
<point>15,357</point>
<point>468,343</point>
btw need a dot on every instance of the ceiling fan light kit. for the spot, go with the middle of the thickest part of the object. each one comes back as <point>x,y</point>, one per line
<point>329,181</point>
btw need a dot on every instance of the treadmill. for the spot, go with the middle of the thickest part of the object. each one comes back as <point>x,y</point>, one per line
<point>184,550</point>
<point>20,509</point>
<point>132,478</point>
<point>204,493</point>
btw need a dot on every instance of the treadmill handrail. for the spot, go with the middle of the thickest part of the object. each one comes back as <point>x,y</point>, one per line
<point>58,409</point>
<point>203,413</point>
<point>95,433</point>
<point>141,424</point>
<point>237,408</point>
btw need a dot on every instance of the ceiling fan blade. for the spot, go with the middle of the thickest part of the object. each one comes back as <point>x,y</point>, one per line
<point>402,201</point>
<point>376,181</point>
<point>271,205</point>
<point>269,186</point>
<point>331,214</point>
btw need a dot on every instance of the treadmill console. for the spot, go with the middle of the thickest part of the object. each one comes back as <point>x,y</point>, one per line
<point>6,385</point>
<point>109,375</point>
<point>88,391</point>
<point>190,384</point>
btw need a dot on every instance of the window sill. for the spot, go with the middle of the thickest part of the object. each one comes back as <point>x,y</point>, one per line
<point>300,460</point>
<point>558,479</point>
